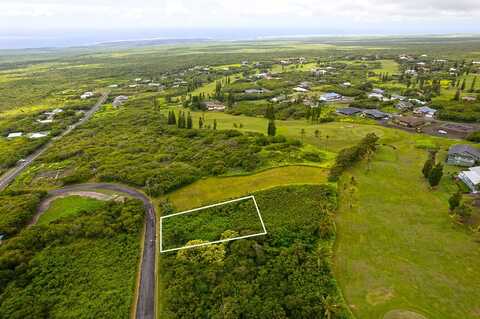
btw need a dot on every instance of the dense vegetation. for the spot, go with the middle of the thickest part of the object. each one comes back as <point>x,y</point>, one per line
<point>136,146</point>
<point>349,156</point>
<point>285,274</point>
<point>210,224</point>
<point>16,209</point>
<point>78,267</point>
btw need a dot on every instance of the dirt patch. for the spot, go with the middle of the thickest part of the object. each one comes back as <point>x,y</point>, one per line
<point>403,314</point>
<point>379,296</point>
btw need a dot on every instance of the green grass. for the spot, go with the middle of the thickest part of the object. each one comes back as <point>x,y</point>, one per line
<point>68,206</point>
<point>212,190</point>
<point>388,66</point>
<point>397,248</point>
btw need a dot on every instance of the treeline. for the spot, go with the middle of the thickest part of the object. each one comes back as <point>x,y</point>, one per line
<point>285,274</point>
<point>82,266</point>
<point>16,210</point>
<point>349,156</point>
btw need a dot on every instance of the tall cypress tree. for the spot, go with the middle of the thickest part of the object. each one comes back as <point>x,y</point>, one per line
<point>474,82</point>
<point>200,122</point>
<point>214,124</point>
<point>189,121</point>
<point>436,175</point>
<point>271,130</point>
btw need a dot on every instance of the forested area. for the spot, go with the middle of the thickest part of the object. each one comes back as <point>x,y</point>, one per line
<point>82,266</point>
<point>209,224</point>
<point>285,274</point>
<point>16,209</point>
<point>135,145</point>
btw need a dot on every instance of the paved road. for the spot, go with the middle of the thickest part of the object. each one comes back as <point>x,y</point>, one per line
<point>10,175</point>
<point>146,292</point>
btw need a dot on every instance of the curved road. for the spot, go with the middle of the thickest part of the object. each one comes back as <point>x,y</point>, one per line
<point>10,175</point>
<point>146,292</point>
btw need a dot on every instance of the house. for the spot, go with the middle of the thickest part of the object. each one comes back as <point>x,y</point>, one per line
<point>255,91</point>
<point>319,72</point>
<point>279,98</point>
<point>376,114</point>
<point>86,95</point>
<point>378,91</point>
<point>119,100</point>
<point>330,97</point>
<point>409,121</point>
<point>417,101</point>
<point>376,96</point>
<point>113,86</point>
<point>469,98</point>
<point>463,155</point>
<point>404,106</point>
<point>411,72</point>
<point>471,178</point>
<point>348,111</point>
<point>15,135</point>
<point>215,106</point>
<point>346,84</point>
<point>398,97</point>
<point>304,85</point>
<point>300,89</point>
<point>425,111</point>
<point>37,135</point>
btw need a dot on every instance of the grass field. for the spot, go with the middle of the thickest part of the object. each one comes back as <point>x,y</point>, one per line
<point>68,206</point>
<point>212,190</point>
<point>398,248</point>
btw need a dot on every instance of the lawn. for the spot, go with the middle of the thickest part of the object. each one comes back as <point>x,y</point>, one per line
<point>388,66</point>
<point>217,189</point>
<point>68,206</point>
<point>397,248</point>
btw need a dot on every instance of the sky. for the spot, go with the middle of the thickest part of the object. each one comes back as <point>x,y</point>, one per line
<point>67,22</point>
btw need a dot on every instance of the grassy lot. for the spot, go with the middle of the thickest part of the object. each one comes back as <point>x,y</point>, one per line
<point>68,206</point>
<point>211,190</point>
<point>388,66</point>
<point>333,136</point>
<point>397,248</point>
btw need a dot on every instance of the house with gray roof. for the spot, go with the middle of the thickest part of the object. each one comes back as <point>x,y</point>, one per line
<point>348,111</point>
<point>463,155</point>
<point>376,114</point>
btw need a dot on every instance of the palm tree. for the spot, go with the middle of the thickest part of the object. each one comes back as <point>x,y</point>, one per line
<point>330,307</point>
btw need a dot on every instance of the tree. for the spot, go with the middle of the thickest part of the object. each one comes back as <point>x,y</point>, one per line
<point>464,84</point>
<point>457,96</point>
<point>270,112</point>
<point>463,212</point>
<point>214,124</point>
<point>317,133</point>
<point>454,201</point>
<point>230,99</point>
<point>436,175</point>
<point>474,82</point>
<point>428,166</point>
<point>302,133</point>
<point>155,103</point>
<point>189,121</point>
<point>330,307</point>
<point>200,122</point>
<point>271,130</point>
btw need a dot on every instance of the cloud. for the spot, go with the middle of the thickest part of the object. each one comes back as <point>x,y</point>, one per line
<point>338,14</point>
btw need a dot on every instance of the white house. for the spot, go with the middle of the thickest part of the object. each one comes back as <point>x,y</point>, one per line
<point>37,135</point>
<point>425,111</point>
<point>330,97</point>
<point>300,90</point>
<point>14,135</point>
<point>471,178</point>
<point>86,95</point>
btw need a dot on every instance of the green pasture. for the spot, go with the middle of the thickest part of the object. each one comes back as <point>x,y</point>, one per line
<point>68,206</point>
